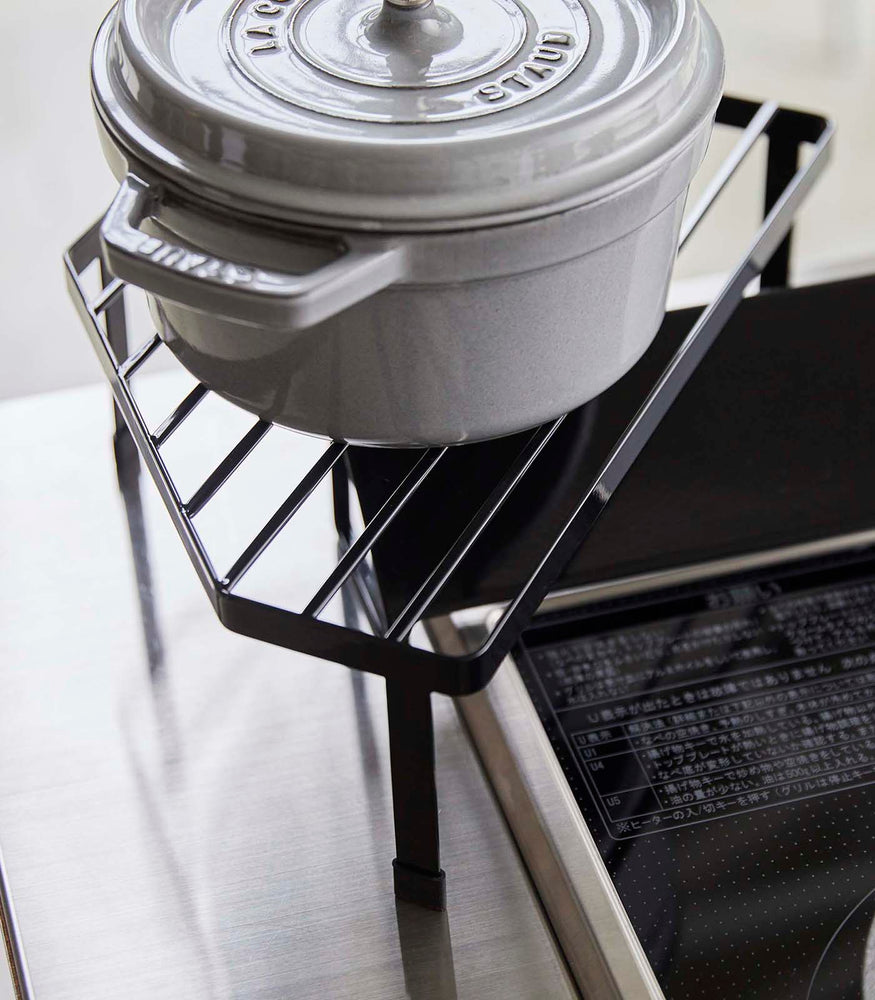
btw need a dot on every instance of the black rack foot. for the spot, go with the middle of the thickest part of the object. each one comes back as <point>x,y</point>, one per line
<point>413,885</point>
<point>419,877</point>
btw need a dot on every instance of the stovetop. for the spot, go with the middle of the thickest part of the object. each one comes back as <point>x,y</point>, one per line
<point>719,740</point>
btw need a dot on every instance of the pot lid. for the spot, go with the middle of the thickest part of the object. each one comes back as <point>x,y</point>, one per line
<point>404,113</point>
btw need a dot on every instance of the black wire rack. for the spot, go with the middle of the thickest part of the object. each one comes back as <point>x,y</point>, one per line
<point>380,643</point>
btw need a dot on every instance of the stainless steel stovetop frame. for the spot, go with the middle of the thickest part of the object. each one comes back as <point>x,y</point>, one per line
<point>383,647</point>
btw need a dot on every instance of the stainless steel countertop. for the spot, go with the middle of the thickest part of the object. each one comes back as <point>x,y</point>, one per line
<point>222,827</point>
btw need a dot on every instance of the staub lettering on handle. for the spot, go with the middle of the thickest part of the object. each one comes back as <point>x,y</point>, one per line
<point>188,262</point>
<point>553,47</point>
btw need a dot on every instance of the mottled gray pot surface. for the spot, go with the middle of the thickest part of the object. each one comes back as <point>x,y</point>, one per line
<point>445,363</point>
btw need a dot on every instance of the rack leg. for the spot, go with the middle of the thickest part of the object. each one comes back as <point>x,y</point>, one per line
<point>127,461</point>
<point>340,495</point>
<point>783,162</point>
<point>127,466</point>
<point>417,865</point>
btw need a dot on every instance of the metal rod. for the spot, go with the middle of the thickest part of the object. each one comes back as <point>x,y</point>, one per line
<point>754,131</point>
<point>185,409</point>
<point>358,549</point>
<point>128,469</point>
<point>777,223</point>
<point>417,865</point>
<point>116,327</point>
<point>287,509</point>
<point>674,378</point>
<point>782,164</point>
<point>371,600</point>
<point>363,582</point>
<point>14,949</point>
<point>83,253</point>
<point>340,502</point>
<point>107,296</point>
<point>423,597</point>
<point>127,465</point>
<point>127,368</point>
<point>220,475</point>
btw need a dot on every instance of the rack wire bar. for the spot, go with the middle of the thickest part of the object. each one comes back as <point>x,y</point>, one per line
<point>760,121</point>
<point>358,549</point>
<point>362,578</point>
<point>223,471</point>
<point>423,597</point>
<point>127,369</point>
<point>108,296</point>
<point>174,421</point>
<point>284,513</point>
<point>412,673</point>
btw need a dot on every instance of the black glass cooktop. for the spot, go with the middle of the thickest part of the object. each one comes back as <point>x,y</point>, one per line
<point>720,742</point>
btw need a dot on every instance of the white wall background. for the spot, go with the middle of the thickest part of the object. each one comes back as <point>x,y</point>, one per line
<point>53,184</point>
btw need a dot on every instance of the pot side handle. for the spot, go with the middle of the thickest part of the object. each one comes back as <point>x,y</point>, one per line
<point>234,290</point>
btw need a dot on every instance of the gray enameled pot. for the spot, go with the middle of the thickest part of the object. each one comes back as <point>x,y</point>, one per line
<point>438,364</point>
<point>505,328</point>
<point>433,332</point>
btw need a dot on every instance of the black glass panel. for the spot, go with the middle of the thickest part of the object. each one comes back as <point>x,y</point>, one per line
<point>720,741</point>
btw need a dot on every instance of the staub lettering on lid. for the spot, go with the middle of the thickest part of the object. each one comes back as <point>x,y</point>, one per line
<point>274,44</point>
<point>263,36</point>
<point>553,47</point>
